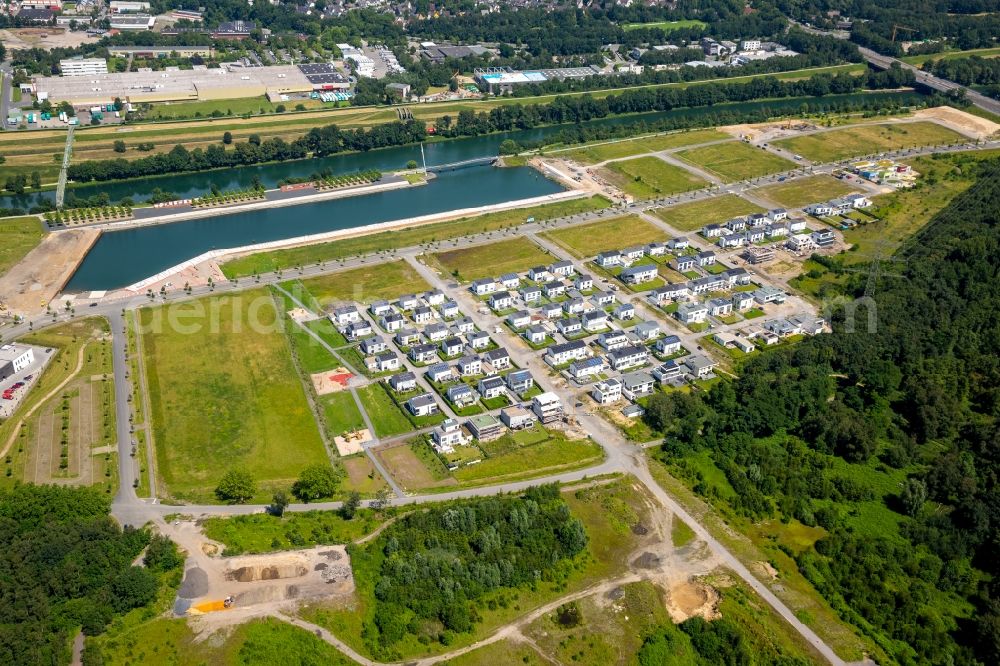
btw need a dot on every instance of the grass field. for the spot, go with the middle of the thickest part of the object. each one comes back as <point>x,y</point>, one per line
<point>951,55</point>
<point>548,456</point>
<point>388,419</point>
<point>366,284</point>
<point>586,240</point>
<point>263,533</point>
<point>341,413</point>
<point>735,161</point>
<point>868,139</point>
<point>85,401</point>
<point>255,643</point>
<point>617,149</point>
<point>509,256</point>
<point>649,177</point>
<point>691,216</point>
<point>226,396</point>
<point>18,236</point>
<point>254,105</point>
<point>283,259</point>
<point>666,26</point>
<point>804,191</point>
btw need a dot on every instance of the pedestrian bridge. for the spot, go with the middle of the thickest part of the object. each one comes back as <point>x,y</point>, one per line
<point>451,166</point>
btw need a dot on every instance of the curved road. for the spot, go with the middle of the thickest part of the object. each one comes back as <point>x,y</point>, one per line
<point>621,455</point>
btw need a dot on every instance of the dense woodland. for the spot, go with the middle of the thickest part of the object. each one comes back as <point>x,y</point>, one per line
<point>805,430</point>
<point>433,567</point>
<point>66,565</point>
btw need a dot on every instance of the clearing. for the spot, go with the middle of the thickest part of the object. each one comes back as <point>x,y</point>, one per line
<point>586,240</point>
<point>665,26</point>
<point>415,235</point>
<point>601,152</point>
<point>695,215</point>
<point>224,393</point>
<point>868,139</point>
<point>510,256</point>
<point>650,177</point>
<point>366,284</point>
<point>735,161</point>
<point>804,191</point>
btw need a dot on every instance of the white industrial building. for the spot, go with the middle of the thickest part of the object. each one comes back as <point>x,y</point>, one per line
<point>14,359</point>
<point>83,66</point>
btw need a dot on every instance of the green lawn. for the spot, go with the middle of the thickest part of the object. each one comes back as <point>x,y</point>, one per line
<point>18,236</point>
<point>387,418</point>
<point>556,452</point>
<point>735,161</point>
<point>366,284</point>
<point>229,107</point>
<point>164,640</point>
<point>227,395</point>
<point>650,177</point>
<point>587,240</point>
<point>867,139</point>
<point>600,152</point>
<point>804,191</point>
<point>666,26</point>
<point>341,413</point>
<point>289,258</point>
<point>695,215</point>
<point>263,533</point>
<point>509,256</point>
<point>325,329</point>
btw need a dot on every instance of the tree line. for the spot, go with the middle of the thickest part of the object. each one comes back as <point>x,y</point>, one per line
<point>916,397</point>
<point>66,565</point>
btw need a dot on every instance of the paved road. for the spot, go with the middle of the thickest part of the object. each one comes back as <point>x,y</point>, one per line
<point>622,456</point>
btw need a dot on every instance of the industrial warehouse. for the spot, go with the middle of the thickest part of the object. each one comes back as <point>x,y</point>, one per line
<point>199,84</point>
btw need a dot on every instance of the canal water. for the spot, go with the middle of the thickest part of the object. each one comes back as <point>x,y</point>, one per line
<point>121,258</point>
<point>191,185</point>
<point>124,257</point>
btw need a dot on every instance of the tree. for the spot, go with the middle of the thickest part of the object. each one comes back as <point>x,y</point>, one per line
<point>237,486</point>
<point>36,180</point>
<point>227,138</point>
<point>316,482</point>
<point>279,502</point>
<point>280,108</point>
<point>382,498</point>
<point>254,139</point>
<point>912,496</point>
<point>350,506</point>
<point>119,146</point>
<point>162,554</point>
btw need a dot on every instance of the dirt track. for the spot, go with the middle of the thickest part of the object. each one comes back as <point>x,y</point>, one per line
<point>37,279</point>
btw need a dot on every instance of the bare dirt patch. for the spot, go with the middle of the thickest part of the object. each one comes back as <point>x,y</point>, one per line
<point>351,443</point>
<point>404,466</point>
<point>692,598</point>
<point>960,121</point>
<point>31,284</point>
<point>331,381</point>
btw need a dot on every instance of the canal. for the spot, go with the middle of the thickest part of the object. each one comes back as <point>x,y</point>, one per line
<point>121,258</point>
<point>190,185</point>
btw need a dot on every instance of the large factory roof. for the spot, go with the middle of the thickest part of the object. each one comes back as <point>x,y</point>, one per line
<point>154,86</point>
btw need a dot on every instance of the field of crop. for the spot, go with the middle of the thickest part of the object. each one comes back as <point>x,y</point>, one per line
<point>18,236</point>
<point>600,152</point>
<point>650,177</point>
<point>227,396</point>
<point>735,161</point>
<point>509,256</point>
<point>586,240</point>
<point>300,256</point>
<point>868,139</point>
<point>691,216</point>
<point>366,284</point>
<point>804,191</point>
